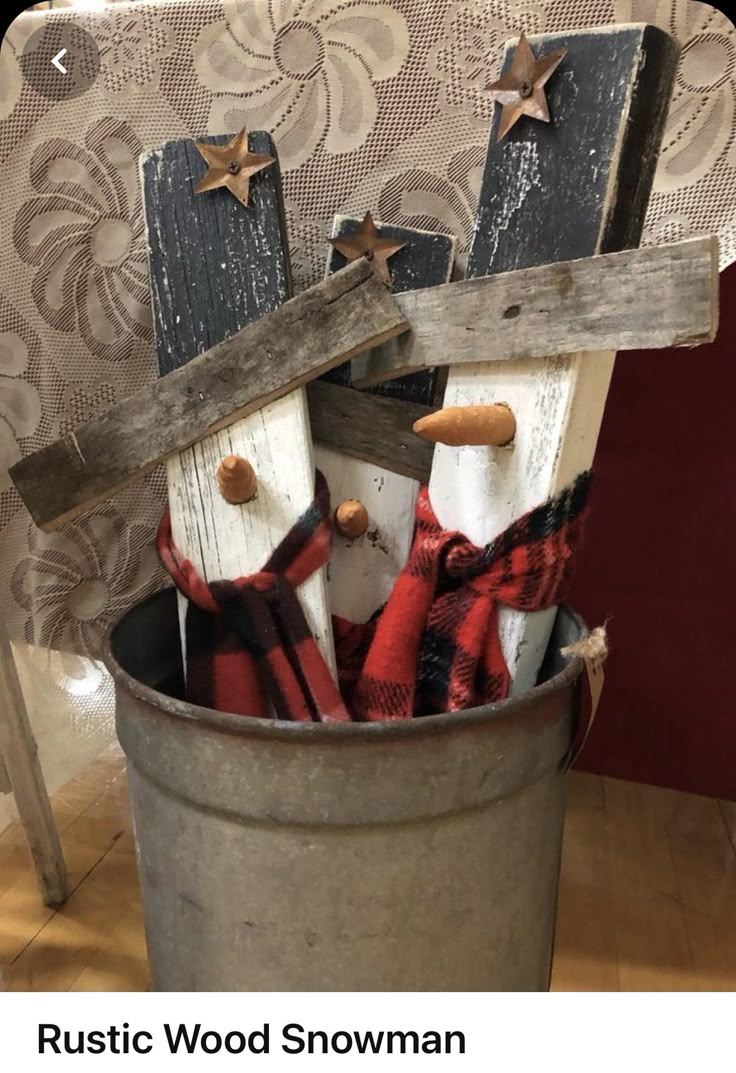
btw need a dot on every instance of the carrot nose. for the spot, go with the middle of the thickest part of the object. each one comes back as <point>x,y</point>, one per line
<point>462,426</point>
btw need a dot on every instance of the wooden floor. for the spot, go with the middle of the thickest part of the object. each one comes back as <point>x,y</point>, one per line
<point>647,899</point>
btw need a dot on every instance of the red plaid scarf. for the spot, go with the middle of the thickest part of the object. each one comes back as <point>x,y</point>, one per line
<point>247,640</point>
<point>433,647</point>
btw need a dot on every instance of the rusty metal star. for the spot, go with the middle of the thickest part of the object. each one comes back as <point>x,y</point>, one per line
<point>231,166</point>
<point>521,90</point>
<point>367,242</point>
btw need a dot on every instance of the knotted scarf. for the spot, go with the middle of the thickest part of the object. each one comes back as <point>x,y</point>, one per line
<point>433,647</point>
<point>248,641</point>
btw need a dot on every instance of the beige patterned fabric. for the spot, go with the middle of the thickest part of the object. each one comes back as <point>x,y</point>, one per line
<point>373,103</point>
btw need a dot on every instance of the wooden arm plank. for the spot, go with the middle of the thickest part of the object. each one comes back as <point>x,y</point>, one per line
<point>595,303</point>
<point>373,428</point>
<point>313,332</point>
<point>550,192</point>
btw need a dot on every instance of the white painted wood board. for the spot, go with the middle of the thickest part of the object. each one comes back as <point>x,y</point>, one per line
<point>226,540</point>
<point>362,572</point>
<point>215,266</point>
<point>554,192</point>
<point>481,490</point>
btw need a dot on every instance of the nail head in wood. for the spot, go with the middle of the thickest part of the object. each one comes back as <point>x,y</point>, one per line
<point>520,90</point>
<point>464,426</point>
<point>351,519</point>
<point>231,166</point>
<point>368,242</point>
<point>236,479</point>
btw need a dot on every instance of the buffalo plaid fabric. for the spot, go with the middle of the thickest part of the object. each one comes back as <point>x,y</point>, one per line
<point>248,641</point>
<point>433,647</point>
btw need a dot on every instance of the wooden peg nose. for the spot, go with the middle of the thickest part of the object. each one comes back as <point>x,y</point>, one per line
<point>469,426</point>
<point>236,479</point>
<point>351,519</point>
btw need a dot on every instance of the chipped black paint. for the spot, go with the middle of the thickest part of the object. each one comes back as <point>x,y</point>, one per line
<point>215,266</point>
<point>579,185</point>
<point>425,261</point>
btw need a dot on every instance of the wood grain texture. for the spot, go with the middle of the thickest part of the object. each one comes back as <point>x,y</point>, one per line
<point>216,266</point>
<point>93,819</point>
<point>20,758</point>
<point>593,304</point>
<point>554,192</point>
<point>314,331</point>
<point>579,185</point>
<point>363,571</point>
<point>423,262</point>
<point>370,427</point>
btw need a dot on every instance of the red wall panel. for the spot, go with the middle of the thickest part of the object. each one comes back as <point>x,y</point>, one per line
<point>659,561</point>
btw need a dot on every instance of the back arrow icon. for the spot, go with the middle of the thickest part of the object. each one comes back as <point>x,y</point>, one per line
<point>56,61</point>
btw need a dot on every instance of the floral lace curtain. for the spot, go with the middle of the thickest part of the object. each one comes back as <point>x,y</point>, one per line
<point>373,103</point>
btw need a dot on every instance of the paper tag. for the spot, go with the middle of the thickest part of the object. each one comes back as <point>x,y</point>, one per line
<point>595,677</point>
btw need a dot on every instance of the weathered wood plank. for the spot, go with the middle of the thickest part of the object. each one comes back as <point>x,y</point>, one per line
<point>20,757</point>
<point>425,261</point>
<point>560,191</point>
<point>685,312</point>
<point>596,303</point>
<point>315,331</point>
<point>215,266</point>
<point>370,427</point>
<point>363,571</point>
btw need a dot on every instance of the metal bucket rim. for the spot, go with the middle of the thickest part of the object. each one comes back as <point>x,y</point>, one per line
<point>318,733</point>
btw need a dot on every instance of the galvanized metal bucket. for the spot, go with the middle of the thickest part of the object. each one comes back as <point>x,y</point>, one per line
<point>413,856</point>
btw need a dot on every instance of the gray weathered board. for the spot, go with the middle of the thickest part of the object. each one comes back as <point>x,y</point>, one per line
<point>550,192</point>
<point>370,427</point>
<point>363,571</point>
<point>55,486</point>
<point>314,331</point>
<point>586,305</point>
